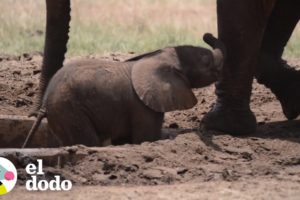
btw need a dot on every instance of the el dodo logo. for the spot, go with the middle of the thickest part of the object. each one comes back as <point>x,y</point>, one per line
<point>8,176</point>
<point>34,184</point>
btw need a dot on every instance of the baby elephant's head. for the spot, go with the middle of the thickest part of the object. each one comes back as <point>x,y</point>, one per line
<point>163,79</point>
<point>200,65</point>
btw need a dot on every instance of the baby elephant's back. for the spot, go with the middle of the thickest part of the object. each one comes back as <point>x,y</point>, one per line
<point>85,79</point>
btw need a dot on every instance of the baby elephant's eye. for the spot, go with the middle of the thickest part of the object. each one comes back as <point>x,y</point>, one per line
<point>206,60</point>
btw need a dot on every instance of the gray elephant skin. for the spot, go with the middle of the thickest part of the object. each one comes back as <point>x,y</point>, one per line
<point>255,33</point>
<point>92,101</point>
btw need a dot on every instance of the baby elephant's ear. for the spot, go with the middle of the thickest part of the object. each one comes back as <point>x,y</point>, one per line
<point>161,87</point>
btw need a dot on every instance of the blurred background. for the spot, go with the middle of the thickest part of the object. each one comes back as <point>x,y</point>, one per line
<point>102,26</point>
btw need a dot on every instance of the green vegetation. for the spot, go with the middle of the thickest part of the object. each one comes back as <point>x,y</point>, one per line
<point>100,26</point>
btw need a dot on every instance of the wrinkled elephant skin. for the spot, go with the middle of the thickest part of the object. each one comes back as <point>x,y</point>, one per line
<point>255,33</point>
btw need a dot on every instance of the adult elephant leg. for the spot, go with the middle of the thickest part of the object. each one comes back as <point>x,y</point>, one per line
<point>274,72</point>
<point>241,26</point>
<point>57,29</point>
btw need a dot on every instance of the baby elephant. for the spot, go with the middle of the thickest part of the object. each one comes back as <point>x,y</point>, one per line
<point>91,101</point>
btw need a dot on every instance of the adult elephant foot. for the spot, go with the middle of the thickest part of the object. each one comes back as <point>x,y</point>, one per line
<point>230,119</point>
<point>242,37</point>
<point>284,82</point>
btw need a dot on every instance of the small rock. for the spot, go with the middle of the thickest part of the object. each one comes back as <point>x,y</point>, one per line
<point>199,151</point>
<point>229,175</point>
<point>29,84</point>
<point>16,72</point>
<point>36,71</point>
<point>132,168</point>
<point>99,177</point>
<point>148,158</point>
<point>113,177</point>
<point>173,151</point>
<point>92,151</point>
<point>26,74</point>
<point>194,118</point>
<point>247,156</point>
<point>173,125</point>
<point>26,56</point>
<point>72,149</point>
<point>20,103</point>
<point>152,174</point>
<point>182,171</point>
<point>30,94</point>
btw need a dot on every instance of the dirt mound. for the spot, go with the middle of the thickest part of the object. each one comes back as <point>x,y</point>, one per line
<point>192,157</point>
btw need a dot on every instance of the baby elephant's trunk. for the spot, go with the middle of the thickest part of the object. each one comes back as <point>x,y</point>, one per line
<point>219,51</point>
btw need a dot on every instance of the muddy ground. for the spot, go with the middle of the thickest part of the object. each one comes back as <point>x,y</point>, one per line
<point>211,165</point>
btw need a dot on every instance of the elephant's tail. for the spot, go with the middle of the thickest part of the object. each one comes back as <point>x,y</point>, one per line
<point>215,43</point>
<point>40,115</point>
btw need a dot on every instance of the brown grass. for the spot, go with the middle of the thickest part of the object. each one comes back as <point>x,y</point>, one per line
<point>100,26</point>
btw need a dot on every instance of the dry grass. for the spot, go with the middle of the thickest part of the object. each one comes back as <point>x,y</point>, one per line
<point>100,26</point>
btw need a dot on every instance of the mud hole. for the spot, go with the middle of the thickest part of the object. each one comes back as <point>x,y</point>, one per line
<point>272,154</point>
